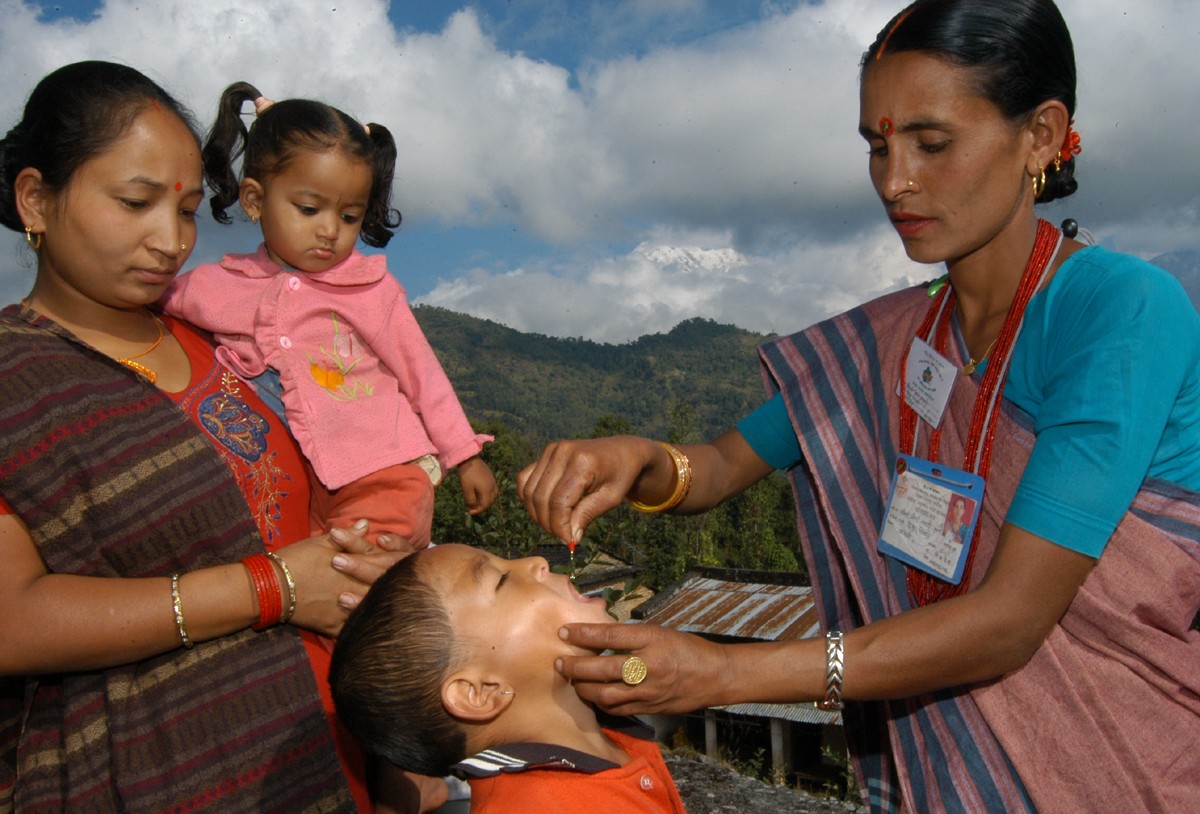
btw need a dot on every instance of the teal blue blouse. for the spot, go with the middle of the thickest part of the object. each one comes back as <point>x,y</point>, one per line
<point>1108,368</point>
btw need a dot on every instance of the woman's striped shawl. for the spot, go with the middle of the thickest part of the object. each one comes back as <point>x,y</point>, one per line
<point>1105,717</point>
<point>113,480</point>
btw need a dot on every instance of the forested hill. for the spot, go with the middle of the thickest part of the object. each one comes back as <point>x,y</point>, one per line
<point>690,383</point>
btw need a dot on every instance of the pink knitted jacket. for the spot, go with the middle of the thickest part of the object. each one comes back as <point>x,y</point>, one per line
<point>362,388</point>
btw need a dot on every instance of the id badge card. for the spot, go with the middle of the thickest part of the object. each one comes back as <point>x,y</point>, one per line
<point>931,517</point>
<point>929,380</point>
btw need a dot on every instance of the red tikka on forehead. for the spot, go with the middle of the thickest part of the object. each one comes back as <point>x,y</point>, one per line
<point>885,124</point>
<point>883,45</point>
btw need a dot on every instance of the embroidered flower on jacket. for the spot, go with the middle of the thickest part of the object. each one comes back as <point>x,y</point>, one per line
<point>340,360</point>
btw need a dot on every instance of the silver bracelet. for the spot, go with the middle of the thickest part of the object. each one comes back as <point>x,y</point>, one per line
<point>177,605</point>
<point>834,668</point>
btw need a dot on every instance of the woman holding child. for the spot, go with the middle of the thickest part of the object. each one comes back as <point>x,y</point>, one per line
<point>1059,671</point>
<point>159,602</point>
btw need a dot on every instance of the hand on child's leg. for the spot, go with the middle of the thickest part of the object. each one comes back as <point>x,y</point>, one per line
<point>370,561</point>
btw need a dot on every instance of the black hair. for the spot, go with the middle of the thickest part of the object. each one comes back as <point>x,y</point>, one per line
<point>387,670</point>
<point>74,114</point>
<point>1021,50</point>
<point>285,129</point>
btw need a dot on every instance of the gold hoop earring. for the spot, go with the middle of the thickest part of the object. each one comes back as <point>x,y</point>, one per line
<point>29,238</point>
<point>1039,182</point>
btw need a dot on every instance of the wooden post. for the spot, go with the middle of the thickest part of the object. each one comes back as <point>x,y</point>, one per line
<point>778,745</point>
<point>710,733</point>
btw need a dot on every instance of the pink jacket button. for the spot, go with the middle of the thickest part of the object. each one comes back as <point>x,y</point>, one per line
<point>285,343</point>
<point>293,284</point>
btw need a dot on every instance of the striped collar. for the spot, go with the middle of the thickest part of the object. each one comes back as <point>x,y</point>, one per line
<point>519,757</point>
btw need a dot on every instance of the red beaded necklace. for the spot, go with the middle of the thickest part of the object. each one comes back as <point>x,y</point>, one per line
<point>923,587</point>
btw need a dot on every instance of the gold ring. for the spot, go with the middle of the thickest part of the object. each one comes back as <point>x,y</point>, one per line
<point>633,671</point>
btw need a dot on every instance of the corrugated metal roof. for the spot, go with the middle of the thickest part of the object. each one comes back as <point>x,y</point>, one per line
<point>744,605</point>
<point>743,610</point>
<point>797,713</point>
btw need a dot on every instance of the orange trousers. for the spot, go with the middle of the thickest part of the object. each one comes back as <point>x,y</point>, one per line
<point>394,500</point>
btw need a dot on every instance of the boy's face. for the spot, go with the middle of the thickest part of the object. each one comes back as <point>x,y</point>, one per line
<point>508,612</point>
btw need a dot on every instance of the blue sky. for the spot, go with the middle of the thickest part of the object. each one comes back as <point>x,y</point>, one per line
<point>608,168</point>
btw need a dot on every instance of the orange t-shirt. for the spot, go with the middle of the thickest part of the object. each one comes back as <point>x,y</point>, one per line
<point>570,786</point>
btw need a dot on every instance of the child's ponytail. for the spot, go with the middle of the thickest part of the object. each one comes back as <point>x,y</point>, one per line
<point>380,220</point>
<point>225,143</point>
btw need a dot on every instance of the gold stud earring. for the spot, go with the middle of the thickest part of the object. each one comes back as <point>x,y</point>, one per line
<point>29,238</point>
<point>183,247</point>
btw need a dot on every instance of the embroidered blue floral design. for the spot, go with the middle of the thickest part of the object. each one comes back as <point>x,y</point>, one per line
<point>231,421</point>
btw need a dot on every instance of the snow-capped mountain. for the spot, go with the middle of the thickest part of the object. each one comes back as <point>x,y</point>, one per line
<point>691,259</point>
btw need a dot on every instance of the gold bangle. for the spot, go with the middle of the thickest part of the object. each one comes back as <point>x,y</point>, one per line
<point>683,482</point>
<point>834,669</point>
<point>291,586</point>
<point>177,604</point>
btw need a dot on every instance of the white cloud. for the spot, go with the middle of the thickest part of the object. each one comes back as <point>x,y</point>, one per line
<point>754,132</point>
<point>747,135</point>
<point>675,277</point>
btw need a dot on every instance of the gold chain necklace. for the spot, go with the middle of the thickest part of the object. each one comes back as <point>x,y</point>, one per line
<point>973,363</point>
<point>138,367</point>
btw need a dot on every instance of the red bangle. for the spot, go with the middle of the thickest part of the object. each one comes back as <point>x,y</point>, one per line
<point>266,587</point>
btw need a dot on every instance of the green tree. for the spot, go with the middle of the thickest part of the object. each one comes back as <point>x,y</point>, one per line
<point>754,530</point>
<point>505,525</point>
<point>609,424</point>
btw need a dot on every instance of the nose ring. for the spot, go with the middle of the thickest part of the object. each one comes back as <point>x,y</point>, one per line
<point>910,183</point>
